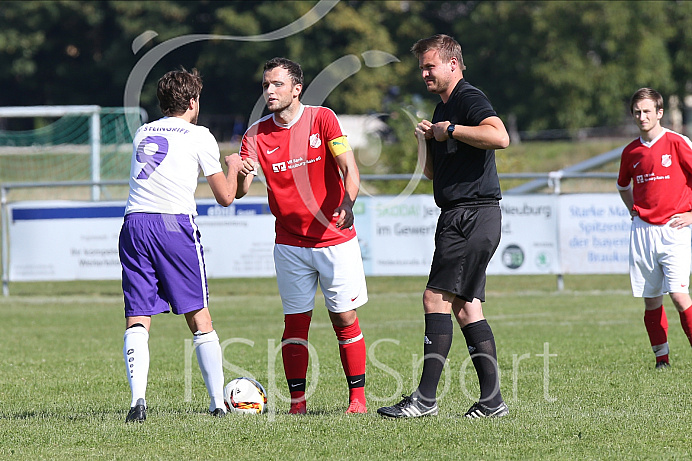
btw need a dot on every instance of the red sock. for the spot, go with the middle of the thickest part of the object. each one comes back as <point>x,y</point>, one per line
<point>294,352</point>
<point>656,324</point>
<point>686,321</point>
<point>352,352</point>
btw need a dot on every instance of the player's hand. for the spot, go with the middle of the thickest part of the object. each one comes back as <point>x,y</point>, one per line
<point>424,127</point>
<point>344,216</point>
<point>680,220</point>
<point>248,167</point>
<point>234,162</point>
<point>439,131</point>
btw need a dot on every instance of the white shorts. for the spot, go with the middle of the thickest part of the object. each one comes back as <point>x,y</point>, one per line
<point>338,268</point>
<point>660,259</point>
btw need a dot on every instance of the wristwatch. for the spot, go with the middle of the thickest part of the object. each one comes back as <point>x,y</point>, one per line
<point>450,130</point>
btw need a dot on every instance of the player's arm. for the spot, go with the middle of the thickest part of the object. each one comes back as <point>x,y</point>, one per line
<point>679,220</point>
<point>684,219</point>
<point>624,185</point>
<point>346,161</point>
<point>244,178</point>
<point>489,134</point>
<point>224,186</point>
<point>627,197</point>
<point>424,134</point>
<point>248,170</point>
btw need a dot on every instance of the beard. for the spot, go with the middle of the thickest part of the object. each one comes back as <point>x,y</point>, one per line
<point>278,106</point>
<point>437,86</point>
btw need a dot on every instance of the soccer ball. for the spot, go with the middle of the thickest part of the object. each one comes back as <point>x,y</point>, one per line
<point>245,395</point>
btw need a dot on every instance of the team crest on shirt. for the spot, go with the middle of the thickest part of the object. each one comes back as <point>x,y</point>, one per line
<point>315,140</point>
<point>666,161</point>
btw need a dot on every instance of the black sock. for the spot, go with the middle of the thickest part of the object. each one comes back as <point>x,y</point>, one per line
<point>438,339</point>
<point>481,344</point>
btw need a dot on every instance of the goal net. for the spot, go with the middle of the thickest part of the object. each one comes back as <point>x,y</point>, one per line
<point>67,144</point>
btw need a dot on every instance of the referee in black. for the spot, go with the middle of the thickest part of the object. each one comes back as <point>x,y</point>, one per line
<point>460,159</point>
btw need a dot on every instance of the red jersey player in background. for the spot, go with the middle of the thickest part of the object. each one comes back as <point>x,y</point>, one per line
<point>303,154</point>
<point>654,182</point>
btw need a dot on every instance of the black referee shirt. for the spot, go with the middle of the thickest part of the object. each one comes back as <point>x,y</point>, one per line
<point>462,173</point>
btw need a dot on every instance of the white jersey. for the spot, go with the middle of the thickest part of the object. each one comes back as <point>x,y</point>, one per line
<point>168,155</point>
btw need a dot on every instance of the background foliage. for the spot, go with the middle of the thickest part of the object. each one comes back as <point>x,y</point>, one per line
<point>547,65</point>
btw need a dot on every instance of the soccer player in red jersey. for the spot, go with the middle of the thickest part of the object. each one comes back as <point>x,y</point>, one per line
<point>654,183</point>
<point>303,155</point>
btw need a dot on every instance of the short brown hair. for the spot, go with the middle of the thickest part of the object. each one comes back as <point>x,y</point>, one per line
<point>293,68</point>
<point>176,88</point>
<point>646,93</point>
<point>445,45</point>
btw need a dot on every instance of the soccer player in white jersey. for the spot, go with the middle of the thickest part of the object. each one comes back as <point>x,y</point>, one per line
<point>303,153</point>
<point>654,183</point>
<point>160,250</point>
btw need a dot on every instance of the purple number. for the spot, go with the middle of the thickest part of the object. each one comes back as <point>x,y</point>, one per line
<point>151,160</point>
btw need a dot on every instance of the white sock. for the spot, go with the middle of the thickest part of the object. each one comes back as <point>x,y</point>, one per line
<point>211,365</point>
<point>136,355</point>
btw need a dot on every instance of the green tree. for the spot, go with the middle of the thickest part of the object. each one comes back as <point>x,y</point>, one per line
<point>344,31</point>
<point>566,64</point>
<point>552,65</point>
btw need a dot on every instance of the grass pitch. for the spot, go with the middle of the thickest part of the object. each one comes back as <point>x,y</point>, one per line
<point>577,373</point>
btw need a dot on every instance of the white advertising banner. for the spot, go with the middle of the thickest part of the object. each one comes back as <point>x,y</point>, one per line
<point>529,236</point>
<point>238,240</point>
<point>79,240</point>
<point>396,235</point>
<point>594,234</point>
<point>64,240</point>
<point>541,234</point>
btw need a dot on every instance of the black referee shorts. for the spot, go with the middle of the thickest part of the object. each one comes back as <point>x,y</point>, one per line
<point>465,240</point>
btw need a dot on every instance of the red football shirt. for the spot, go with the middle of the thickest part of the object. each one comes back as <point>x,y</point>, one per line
<point>304,184</point>
<point>661,172</point>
